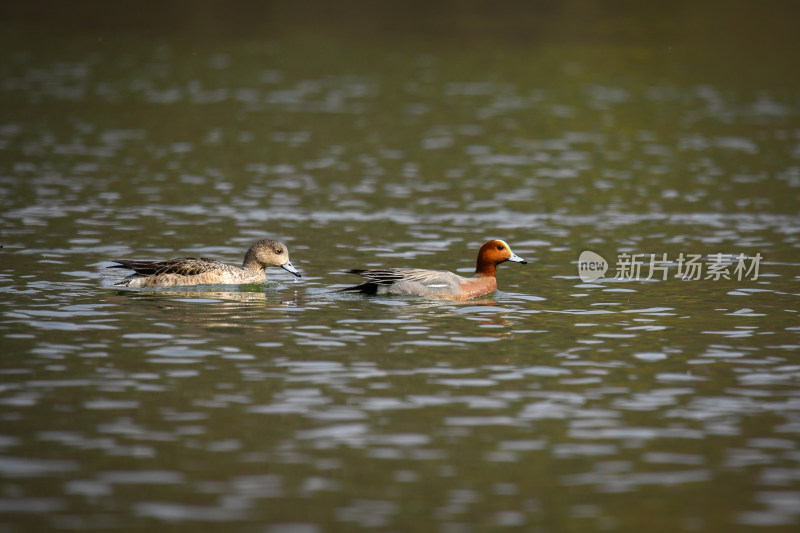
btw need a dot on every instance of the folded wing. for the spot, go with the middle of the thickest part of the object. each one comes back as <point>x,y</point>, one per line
<point>185,266</point>
<point>405,281</point>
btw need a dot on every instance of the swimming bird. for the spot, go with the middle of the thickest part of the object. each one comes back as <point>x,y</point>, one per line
<point>439,283</point>
<point>201,270</point>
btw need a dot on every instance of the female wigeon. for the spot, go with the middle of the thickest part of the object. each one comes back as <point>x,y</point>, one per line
<point>439,283</point>
<point>200,270</point>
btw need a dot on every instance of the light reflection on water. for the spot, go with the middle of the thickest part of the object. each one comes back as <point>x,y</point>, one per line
<point>551,402</point>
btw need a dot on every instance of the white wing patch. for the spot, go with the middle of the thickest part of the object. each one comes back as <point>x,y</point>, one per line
<point>437,285</point>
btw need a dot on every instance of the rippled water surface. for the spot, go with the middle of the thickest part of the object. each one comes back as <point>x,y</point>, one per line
<point>553,405</point>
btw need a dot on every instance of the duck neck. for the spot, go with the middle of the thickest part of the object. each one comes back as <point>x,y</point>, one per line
<point>485,270</point>
<point>250,263</point>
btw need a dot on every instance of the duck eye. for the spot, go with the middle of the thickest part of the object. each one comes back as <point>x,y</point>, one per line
<point>278,251</point>
<point>499,246</point>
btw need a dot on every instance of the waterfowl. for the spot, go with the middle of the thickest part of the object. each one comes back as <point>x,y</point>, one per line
<point>439,283</point>
<point>201,270</point>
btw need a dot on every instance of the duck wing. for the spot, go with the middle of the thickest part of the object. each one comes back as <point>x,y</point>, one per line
<point>437,283</point>
<point>185,266</point>
<point>389,276</point>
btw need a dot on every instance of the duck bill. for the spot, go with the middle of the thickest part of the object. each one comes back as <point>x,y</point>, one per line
<point>517,259</point>
<point>288,267</point>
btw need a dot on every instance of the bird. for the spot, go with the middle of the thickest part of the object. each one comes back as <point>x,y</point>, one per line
<point>439,283</point>
<point>201,270</point>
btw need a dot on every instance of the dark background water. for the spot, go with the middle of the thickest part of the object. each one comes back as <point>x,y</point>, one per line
<point>371,134</point>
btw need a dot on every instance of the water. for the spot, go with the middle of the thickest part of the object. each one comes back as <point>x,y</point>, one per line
<point>552,405</point>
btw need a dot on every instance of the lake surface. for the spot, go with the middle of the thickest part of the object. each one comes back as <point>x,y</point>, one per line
<point>366,138</point>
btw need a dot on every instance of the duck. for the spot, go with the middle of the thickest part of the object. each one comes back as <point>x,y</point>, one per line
<point>183,271</point>
<point>439,283</point>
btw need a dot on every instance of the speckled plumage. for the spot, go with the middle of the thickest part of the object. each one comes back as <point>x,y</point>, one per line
<point>202,270</point>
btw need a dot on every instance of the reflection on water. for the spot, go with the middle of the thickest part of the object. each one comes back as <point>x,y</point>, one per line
<point>553,404</point>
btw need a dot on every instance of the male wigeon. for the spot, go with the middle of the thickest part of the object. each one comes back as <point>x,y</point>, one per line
<point>200,270</point>
<point>439,283</point>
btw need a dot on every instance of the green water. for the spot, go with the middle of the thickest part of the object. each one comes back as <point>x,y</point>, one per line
<point>366,137</point>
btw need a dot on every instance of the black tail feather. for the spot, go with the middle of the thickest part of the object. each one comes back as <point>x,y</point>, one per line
<point>364,288</point>
<point>145,268</point>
